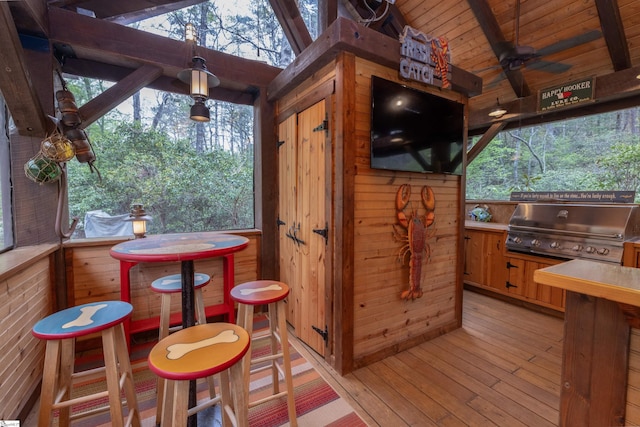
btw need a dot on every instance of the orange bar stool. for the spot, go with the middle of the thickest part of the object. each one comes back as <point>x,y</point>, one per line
<point>198,352</point>
<point>60,331</point>
<point>172,284</point>
<point>168,286</point>
<point>271,293</point>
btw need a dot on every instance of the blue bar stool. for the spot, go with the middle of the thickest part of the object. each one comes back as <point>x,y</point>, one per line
<point>60,331</point>
<point>172,284</point>
<point>198,352</point>
<point>270,293</point>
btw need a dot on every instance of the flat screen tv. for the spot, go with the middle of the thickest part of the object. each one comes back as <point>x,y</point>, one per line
<point>415,131</point>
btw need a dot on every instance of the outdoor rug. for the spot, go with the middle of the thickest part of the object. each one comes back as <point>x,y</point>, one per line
<point>317,404</point>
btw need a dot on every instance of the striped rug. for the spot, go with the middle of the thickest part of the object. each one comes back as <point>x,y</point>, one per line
<point>317,404</point>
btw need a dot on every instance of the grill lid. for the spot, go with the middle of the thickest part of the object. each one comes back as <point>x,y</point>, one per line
<point>570,230</point>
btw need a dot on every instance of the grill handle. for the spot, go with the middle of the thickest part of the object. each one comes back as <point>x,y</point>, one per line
<point>568,233</point>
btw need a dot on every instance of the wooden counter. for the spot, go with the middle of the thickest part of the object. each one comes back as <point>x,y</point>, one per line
<point>601,300</point>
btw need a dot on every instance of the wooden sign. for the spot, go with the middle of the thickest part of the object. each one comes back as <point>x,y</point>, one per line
<point>425,59</point>
<point>574,196</point>
<point>566,94</point>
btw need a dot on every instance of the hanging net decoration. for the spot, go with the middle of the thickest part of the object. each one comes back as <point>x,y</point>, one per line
<point>41,169</point>
<point>58,148</point>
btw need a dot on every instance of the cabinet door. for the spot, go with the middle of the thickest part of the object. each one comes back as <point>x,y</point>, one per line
<point>517,271</point>
<point>474,257</point>
<point>303,207</point>
<point>549,294</point>
<point>497,274</point>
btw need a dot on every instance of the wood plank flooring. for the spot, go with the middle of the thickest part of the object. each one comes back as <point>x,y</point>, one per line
<point>501,368</point>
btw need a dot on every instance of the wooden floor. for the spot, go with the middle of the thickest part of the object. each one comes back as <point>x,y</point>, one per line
<point>501,368</point>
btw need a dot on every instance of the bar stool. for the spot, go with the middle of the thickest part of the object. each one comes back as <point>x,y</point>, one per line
<point>198,352</point>
<point>271,293</point>
<point>60,331</point>
<point>168,286</point>
<point>172,284</point>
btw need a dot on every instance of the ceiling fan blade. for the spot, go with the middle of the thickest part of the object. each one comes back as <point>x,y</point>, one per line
<point>587,37</point>
<point>496,80</point>
<point>481,70</point>
<point>548,66</point>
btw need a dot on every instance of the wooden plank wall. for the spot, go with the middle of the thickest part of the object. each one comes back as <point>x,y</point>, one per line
<point>25,298</point>
<point>93,275</point>
<point>384,323</point>
<point>633,380</point>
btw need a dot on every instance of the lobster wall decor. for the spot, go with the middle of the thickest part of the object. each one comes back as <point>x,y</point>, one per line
<point>417,233</point>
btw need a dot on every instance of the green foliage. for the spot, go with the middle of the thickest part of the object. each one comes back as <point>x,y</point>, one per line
<point>600,152</point>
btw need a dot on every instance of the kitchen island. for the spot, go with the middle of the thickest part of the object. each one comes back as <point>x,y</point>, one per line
<point>602,304</point>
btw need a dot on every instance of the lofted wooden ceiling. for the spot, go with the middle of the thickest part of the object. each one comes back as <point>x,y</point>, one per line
<point>575,38</point>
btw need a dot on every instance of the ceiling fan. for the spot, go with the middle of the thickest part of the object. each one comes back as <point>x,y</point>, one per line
<point>513,56</point>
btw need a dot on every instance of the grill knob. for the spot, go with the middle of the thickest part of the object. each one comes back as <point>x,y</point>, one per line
<point>517,240</point>
<point>577,248</point>
<point>603,251</point>
<point>535,242</point>
<point>555,245</point>
<point>590,249</point>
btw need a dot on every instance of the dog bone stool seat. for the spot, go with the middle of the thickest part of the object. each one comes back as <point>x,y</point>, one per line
<point>168,286</point>
<point>270,293</point>
<point>198,352</point>
<point>60,331</point>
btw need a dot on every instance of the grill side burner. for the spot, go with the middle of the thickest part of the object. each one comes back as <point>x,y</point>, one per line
<point>570,231</point>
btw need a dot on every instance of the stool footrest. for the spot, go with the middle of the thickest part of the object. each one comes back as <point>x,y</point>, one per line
<point>268,358</point>
<point>267,399</point>
<point>204,405</point>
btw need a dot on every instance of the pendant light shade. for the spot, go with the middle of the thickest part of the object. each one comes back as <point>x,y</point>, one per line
<point>498,111</point>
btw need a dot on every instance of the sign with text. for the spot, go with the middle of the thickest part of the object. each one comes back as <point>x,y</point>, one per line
<point>574,196</point>
<point>566,94</point>
<point>424,59</point>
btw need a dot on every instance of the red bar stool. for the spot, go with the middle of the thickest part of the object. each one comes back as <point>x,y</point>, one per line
<point>168,286</point>
<point>172,284</point>
<point>60,331</point>
<point>198,352</point>
<point>273,294</point>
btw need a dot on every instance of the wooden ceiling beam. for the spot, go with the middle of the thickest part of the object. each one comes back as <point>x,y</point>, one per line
<point>115,44</point>
<point>613,31</point>
<point>113,73</point>
<point>613,91</point>
<point>116,94</point>
<point>292,24</point>
<point>125,12</point>
<point>486,138</point>
<point>491,29</point>
<point>15,83</point>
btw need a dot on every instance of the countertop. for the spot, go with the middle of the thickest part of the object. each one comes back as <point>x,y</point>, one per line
<point>602,280</point>
<point>488,226</point>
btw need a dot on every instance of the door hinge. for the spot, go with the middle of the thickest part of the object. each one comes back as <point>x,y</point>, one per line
<point>324,232</point>
<point>324,334</point>
<point>509,265</point>
<point>323,126</point>
<point>280,144</point>
<point>280,222</point>
<point>509,285</point>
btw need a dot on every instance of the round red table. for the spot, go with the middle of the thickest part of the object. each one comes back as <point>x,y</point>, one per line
<point>183,248</point>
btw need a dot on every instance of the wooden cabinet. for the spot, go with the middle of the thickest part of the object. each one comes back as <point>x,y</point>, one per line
<point>489,266</point>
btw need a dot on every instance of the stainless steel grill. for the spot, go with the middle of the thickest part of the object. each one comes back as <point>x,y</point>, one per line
<point>569,230</point>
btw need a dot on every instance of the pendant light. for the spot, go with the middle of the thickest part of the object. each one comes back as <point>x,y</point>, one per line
<point>198,78</point>
<point>499,111</point>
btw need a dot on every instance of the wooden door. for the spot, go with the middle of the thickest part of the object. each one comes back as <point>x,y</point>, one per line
<point>474,257</point>
<point>303,206</point>
<point>287,176</point>
<point>497,273</point>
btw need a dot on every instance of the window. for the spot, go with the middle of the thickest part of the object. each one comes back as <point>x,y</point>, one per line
<point>6,210</point>
<point>189,176</point>
<point>598,152</point>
